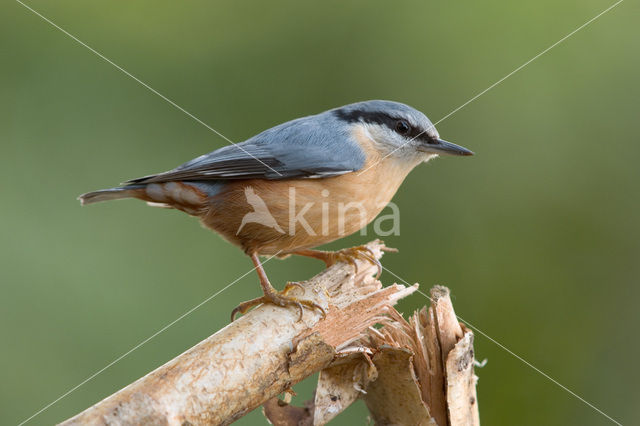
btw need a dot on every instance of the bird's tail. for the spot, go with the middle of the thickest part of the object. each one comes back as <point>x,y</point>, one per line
<point>110,194</point>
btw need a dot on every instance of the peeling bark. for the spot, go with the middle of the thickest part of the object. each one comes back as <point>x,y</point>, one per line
<point>416,372</point>
<point>394,398</point>
<point>461,384</point>
<point>437,354</point>
<point>256,357</point>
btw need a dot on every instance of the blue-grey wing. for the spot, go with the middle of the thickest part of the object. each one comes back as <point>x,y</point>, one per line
<point>310,147</point>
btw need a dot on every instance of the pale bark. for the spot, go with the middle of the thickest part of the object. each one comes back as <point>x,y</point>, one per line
<point>416,372</point>
<point>256,357</point>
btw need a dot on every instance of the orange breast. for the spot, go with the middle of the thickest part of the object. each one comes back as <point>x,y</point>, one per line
<point>271,216</point>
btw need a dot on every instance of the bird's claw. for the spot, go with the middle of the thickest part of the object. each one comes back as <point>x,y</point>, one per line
<point>290,286</point>
<point>280,299</point>
<point>350,255</point>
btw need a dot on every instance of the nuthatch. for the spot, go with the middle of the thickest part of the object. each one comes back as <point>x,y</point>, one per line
<point>297,185</point>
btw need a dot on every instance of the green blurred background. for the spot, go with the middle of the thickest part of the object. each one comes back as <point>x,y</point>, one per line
<point>537,235</point>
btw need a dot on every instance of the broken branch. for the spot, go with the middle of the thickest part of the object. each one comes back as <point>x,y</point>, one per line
<point>256,357</point>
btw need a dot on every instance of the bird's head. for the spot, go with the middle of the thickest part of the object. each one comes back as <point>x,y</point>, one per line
<point>398,130</point>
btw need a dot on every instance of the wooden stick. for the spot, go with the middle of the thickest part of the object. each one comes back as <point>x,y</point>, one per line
<point>256,357</point>
<point>416,372</point>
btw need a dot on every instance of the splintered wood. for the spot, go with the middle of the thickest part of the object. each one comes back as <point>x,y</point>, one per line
<point>416,373</point>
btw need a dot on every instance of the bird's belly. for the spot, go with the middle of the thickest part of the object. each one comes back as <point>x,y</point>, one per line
<point>280,216</point>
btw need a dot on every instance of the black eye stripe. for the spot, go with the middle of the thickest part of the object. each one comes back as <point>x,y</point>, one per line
<point>367,117</point>
<point>383,119</point>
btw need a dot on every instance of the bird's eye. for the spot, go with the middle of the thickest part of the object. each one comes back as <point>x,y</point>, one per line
<point>402,127</point>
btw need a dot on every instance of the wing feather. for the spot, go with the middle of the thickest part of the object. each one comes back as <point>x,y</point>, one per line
<point>309,147</point>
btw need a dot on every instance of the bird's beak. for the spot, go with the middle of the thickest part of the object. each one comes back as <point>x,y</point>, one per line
<point>443,147</point>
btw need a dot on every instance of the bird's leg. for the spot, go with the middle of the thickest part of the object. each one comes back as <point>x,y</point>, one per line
<point>348,255</point>
<point>271,295</point>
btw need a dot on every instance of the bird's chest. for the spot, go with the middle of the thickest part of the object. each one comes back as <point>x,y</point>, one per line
<point>286,215</point>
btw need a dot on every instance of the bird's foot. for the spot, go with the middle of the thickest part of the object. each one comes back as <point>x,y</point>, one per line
<point>279,299</point>
<point>350,255</point>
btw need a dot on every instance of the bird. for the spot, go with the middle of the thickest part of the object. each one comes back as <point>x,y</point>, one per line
<point>298,185</point>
